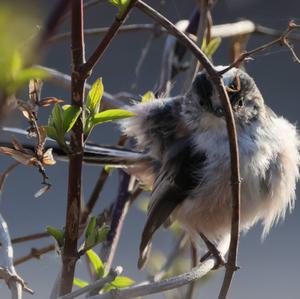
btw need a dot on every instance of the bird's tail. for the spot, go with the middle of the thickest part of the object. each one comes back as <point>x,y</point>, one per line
<point>93,153</point>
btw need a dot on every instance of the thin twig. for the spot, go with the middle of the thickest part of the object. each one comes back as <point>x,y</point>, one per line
<point>194,262</point>
<point>103,30</point>
<point>86,5</point>
<point>113,30</point>
<point>113,273</point>
<point>94,196</point>
<point>178,248</point>
<point>34,253</point>
<point>120,210</point>
<point>281,40</point>
<point>51,24</point>
<point>231,129</point>
<point>147,288</point>
<point>30,237</point>
<point>69,252</point>
<point>5,174</point>
<point>64,80</point>
<point>194,63</point>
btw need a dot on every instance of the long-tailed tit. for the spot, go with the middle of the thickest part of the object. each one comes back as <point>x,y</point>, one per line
<point>188,142</point>
<point>184,156</point>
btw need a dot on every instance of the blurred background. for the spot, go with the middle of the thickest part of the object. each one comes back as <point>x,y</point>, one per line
<point>269,269</point>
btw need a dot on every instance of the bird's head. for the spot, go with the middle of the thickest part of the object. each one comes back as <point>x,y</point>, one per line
<point>203,110</point>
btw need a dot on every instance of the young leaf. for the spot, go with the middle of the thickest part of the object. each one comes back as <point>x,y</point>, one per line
<point>95,236</point>
<point>119,283</point>
<point>102,233</point>
<point>110,115</point>
<point>148,97</point>
<point>80,283</point>
<point>96,262</point>
<point>212,47</point>
<point>70,115</point>
<point>56,119</point>
<point>91,227</point>
<point>121,4</point>
<point>94,96</point>
<point>51,132</point>
<point>57,234</point>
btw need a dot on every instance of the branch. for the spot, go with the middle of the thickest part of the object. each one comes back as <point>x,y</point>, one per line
<point>94,196</point>
<point>52,21</point>
<point>104,30</point>
<point>147,288</point>
<point>69,252</point>
<point>64,80</point>
<point>194,63</point>
<point>177,249</point>
<point>281,40</point>
<point>8,272</point>
<point>120,210</point>
<point>113,30</point>
<point>86,5</point>
<point>231,129</point>
<point>34,253</point>
<point>113,273</point>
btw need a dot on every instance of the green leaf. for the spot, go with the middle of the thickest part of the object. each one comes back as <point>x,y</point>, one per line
<point>51,132</point>
<point>102,233</point>
<point>121,4</point>
<point>80,283</point>
<point>212,47</point>
<point>110,115</point>
<point>122,282</point>
<point>96,262</point>
<point>16,63</point>
<point>148,97</point>
<point>70,115</point>
<point>94,96</point>
<point>119,283</point>
<point>91,227</point>
<point>57,234</point>
<point>94,235</point>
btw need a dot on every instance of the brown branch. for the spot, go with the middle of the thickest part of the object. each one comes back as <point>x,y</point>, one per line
<point>235,169</point>
<point>34,253</point>
<point>86,5</point>
<point>113,30</point>
<point>30,237</point>
<point>194,262</point>
<point>281,40</point>
<point>69,252</point>
<point>194,63</point>
<point>103,30</point>
<point>120,210</point>
<point>94,196</point>
<point>5,174</point>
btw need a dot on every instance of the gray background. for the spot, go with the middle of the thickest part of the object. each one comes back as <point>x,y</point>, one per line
<point>268,270</point>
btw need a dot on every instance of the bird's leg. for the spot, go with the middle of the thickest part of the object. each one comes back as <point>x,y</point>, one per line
<point>212,250</point>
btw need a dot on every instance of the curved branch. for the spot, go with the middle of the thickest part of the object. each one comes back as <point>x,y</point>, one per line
<point>231,129</point>
<point>147,288</point>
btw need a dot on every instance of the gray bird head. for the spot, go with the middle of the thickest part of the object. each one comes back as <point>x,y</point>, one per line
<point>202,108</point>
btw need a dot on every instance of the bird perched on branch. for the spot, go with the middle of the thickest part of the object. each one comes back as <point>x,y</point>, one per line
<point>184,156</point>
<point>191,176</point>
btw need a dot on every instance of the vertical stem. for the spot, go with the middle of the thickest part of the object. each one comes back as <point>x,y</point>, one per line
<point>69,253</point>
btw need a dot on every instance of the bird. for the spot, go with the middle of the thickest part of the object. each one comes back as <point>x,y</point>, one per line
<point>189,171</point>
<point>182,154</point>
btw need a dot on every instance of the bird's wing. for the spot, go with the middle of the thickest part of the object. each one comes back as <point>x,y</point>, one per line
<point>178,176</point>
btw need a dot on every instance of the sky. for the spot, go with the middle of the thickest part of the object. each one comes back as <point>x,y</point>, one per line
<point>269,269</point>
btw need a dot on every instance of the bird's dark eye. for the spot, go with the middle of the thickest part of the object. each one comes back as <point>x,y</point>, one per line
<point>201,103</point>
